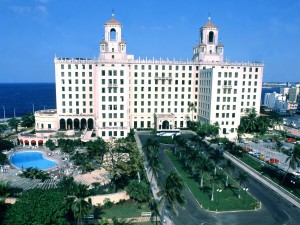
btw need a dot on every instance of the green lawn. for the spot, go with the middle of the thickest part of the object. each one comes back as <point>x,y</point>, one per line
<point>258,166</point>
<point>252,163</point>
<point>226,200</point>
<point>128,209</point>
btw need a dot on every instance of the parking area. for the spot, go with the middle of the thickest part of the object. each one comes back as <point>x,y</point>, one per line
<point>266,151</point>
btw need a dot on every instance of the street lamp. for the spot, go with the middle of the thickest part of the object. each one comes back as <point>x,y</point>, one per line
<point>293,183</point>
<point>3,113</point>
<point>219,191</point>
<point>245,189</point>
<point>32,108</point>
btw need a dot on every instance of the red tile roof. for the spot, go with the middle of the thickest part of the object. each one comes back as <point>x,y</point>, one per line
<point>113,21</point>
<point>210,25</point>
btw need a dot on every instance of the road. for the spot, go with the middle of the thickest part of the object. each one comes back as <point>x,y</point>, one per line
<point>275,210</point>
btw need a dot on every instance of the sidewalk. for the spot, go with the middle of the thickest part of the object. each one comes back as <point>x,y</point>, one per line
<point>153,184</point>
<point>273,186</point>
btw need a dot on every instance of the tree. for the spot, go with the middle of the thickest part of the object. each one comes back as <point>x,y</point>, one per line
<point>96,149</point>
<point>13,123</point>
<point>3,159</point>
<point>192,108</point>
<point>204,166</point>
<point>155,166</point>
<point>293,159</point>
<point>71,188</point>
<point>80,208</point>
<point>138,190</point>
<point>3,127</point>
<point>151,147</point>
<point>28,120</point>
<point>50,144</point>
<point>34,173</point>
<point>66,145</point>
<point>241,179</point>
<point>154,209</point>
<point>171,190</point>
<point>208,130</point>
<point>38,206</point>
<point>5,145</point>
<point>228,167</point>
<point>192,157</point>
<point>216,178</point>
<point>216,156</point>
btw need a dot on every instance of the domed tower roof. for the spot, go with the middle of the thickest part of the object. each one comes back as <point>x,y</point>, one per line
<point>220,45</point>
<point>209,24</point>
<point>122,42</point>
<point>113,21</point>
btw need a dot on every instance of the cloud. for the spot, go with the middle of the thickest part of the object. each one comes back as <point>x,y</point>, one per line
<point>25,10</point>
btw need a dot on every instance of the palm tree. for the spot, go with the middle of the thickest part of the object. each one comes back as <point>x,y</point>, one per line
<point>155,165</point>
<point>180,141</point>
<point>171,190</point>
<point>251,115</point>
<point>80,208</point>
<point>241,179</point>
<point>216,156</point>
<point>155,210</point>
<point>293,159</point>
<point>193,157</point>
<point>151,147</point>
<point>216,179</point>
<point>204,165</point>
<point>228,167</point>
<point>192,108</point>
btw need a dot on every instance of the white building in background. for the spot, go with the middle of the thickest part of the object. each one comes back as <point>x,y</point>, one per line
<point>271,99</point>
<point>116,92</point>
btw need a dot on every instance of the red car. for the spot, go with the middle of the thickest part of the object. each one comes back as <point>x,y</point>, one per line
<point>291,140</point>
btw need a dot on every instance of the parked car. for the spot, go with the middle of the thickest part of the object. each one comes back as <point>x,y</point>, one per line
<point>267,140</point>
<point>290,140</point>
<point>256,140</point>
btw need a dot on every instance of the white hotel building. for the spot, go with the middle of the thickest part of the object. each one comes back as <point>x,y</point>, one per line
<point>116,92</point>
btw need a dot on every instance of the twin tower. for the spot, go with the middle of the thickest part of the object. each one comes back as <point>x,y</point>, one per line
<point>113,47</point>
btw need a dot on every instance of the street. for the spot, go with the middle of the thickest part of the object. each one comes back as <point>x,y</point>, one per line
<point>275,210</point>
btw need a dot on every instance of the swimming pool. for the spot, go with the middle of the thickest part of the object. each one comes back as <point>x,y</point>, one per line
<point>31,159</point>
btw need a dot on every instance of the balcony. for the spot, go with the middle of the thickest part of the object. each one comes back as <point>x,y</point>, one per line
<point>163,78</point>
<point>227,86</point>
<point>112,85</point>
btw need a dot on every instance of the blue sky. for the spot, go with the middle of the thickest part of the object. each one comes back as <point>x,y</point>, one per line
<point>34,31</point>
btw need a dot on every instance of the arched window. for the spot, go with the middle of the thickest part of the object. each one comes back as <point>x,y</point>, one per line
<point>211,37</point>
<point>112,34</point>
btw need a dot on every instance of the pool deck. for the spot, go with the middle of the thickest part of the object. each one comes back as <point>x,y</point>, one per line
<point>63,168</point>
<point>9,172</point>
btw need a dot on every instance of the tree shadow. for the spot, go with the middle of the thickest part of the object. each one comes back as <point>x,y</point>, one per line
<point>206,190</point>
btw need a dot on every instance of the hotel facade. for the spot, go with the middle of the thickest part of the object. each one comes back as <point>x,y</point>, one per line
<point>116,92</point>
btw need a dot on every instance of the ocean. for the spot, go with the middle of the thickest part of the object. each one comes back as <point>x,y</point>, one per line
<point>22,97</point>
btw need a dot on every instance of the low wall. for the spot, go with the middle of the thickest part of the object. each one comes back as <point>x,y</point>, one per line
<point>116,197</point>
